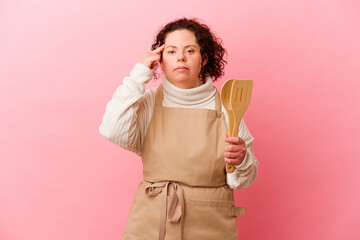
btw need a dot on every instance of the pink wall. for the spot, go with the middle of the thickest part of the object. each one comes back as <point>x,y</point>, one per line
<point>61,61</point>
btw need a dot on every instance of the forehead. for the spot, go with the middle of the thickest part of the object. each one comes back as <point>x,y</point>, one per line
<point>182,37</point>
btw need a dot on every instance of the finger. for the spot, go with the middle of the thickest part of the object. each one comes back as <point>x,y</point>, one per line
<point>154,64</point>
<point>154,58</point>
<point>235,140</point>
<point>239,153</point>
<point>235,148</point>
<point>232,148</point>
<point>232,161</point>
<point>232,155</point>
<point>159,49</point>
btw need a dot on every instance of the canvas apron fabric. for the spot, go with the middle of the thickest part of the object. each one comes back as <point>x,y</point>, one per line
<point>184,194</point>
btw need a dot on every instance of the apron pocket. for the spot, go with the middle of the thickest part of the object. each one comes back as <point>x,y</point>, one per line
<point>210,220</point>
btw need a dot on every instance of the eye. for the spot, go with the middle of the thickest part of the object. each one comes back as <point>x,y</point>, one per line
<point>190,51</point>
<point>171,51</point>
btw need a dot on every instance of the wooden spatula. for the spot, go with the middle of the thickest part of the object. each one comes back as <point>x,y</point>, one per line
<point>225,99</point>
<point>239,101</point>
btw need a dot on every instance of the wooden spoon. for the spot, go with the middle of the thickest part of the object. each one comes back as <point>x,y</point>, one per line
<point>225,99</point>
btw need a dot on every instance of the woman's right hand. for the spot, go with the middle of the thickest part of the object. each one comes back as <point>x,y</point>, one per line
<point>152,59</point>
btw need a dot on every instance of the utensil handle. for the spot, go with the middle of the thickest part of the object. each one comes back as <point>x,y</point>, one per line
<point>230,167</point>
<point>235,133</point>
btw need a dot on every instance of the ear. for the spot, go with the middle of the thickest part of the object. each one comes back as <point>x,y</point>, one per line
<point>204,61</point>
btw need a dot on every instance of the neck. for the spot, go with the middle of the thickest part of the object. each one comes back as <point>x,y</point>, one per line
<point>193,97</point>
<point>187,85</point>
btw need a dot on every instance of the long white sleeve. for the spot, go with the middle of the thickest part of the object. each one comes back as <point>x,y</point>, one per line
<point>129,112</point>
<point>246,172</point>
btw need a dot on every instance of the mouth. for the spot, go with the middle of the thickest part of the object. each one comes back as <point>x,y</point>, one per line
<point>181,68</point>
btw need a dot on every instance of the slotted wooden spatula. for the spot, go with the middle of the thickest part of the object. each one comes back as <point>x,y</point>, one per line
<point>240,99</point>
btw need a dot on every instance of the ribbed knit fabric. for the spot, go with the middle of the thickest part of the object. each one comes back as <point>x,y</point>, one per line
<point>129,112</point>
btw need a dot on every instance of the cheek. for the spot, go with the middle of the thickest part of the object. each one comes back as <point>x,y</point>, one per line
<point>165,64</point>
<point>198,65</point>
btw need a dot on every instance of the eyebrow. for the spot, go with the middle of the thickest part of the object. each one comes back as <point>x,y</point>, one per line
<point>185,46</point>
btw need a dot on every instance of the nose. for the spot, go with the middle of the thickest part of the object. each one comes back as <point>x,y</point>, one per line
<point>181,57</point>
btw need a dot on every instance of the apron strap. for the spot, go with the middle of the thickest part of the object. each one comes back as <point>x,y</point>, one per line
<point>173,216</point>
<point>159,95</point>
<point>217,102</point>
<point>237,211</point>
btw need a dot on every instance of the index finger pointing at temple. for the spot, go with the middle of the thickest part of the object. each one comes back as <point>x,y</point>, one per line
<point>159,49</point>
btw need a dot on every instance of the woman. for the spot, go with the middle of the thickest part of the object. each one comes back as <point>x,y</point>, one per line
<point>179,130</point>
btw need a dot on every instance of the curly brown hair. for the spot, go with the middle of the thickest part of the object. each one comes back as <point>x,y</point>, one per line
<point>210,45</point>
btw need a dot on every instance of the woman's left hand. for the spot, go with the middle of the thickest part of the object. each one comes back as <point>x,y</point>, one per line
<point>235,150</point>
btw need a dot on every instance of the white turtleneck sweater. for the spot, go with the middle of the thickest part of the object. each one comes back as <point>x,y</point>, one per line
<point>129,112</point>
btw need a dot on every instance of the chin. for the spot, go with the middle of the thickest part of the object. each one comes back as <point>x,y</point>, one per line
<point>179,79</point>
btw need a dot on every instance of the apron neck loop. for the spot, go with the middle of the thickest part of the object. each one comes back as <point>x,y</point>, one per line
<point>160,92</point>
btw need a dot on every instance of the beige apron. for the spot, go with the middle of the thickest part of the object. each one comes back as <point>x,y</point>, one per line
<point>184,194</point>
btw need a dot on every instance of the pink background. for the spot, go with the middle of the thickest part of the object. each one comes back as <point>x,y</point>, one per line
<point>61,61</point>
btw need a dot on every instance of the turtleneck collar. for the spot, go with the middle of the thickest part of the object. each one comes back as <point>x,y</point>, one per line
<point>200,95</point>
